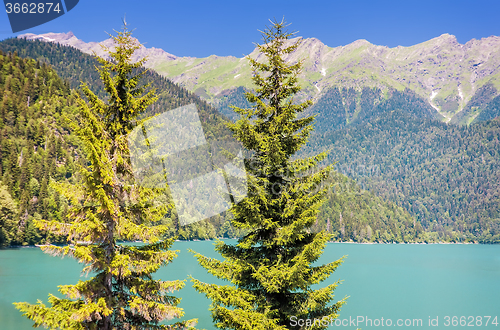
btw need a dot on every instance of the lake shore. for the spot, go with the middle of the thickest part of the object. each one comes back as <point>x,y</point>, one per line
<point>331,242</point>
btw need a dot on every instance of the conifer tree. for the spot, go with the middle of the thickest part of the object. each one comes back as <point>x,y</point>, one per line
<point>270,269</point>
<point>106,207</point>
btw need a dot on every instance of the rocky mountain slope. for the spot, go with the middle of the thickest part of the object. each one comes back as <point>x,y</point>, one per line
<point>443,72</point>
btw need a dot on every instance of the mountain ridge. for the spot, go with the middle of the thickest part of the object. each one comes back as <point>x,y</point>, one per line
<point>441,71</point>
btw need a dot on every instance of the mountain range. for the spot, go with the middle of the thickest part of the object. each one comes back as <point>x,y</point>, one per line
<point>37,147</point>
<point>458,80</point>
<point>407,172</point>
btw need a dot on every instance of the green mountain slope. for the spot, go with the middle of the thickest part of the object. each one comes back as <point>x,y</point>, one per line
<point>354,214</point>
<point>36,146</point>
<point>35,121</point>
<point>447,176</point>
<point>46,131</point>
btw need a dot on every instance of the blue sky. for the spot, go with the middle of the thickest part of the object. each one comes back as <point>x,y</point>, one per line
<point>203,28</point>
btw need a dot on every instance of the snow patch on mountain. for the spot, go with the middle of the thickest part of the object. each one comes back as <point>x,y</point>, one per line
<point>433,95</point>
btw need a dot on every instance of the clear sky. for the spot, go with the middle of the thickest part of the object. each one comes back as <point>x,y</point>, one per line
<point>202,28</point>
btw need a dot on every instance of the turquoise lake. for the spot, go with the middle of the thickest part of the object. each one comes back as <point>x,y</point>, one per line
<point>410,285</point>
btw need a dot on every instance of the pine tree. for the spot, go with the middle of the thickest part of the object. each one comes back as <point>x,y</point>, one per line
<point>107,207</point>
<point>270,268</point>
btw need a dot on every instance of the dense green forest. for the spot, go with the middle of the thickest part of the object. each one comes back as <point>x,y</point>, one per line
<point>37,145</point>
<point>447,176</point>
<point>235,97</point>
<point>355,214</point>
<point>413,178</point>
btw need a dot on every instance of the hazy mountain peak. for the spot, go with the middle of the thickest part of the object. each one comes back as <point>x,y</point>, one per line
<point>446,36</point>
<point>309,47</point>
<point>52,37</point>
<point>311,41</point>
<point>154,55</point>
<point>359,43</point>
<point>433,44</point>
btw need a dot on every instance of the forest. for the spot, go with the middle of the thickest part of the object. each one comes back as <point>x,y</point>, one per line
<point>396,146</point>
<point>38,146</point>
<point>447,176</point>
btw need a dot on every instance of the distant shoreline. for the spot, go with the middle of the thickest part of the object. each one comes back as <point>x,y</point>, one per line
<point>332,242</point>
<point>415,243</point>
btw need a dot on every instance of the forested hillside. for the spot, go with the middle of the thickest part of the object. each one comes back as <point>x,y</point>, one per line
<point>76,67</point>
<point>482,106</point>
<point>354,214</point>
<point>395,145</point>
<point>367,134</point>
<point>447,176</point>
<point>36,146</point>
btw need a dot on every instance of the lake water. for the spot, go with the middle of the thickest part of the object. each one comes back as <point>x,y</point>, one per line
<point>399,283</point>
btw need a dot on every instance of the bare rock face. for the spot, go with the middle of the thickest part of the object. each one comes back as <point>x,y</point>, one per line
<point>444,72</point>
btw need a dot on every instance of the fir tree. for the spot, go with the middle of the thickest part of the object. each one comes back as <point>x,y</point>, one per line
<point>106,207</point>
<point>270,268</point>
